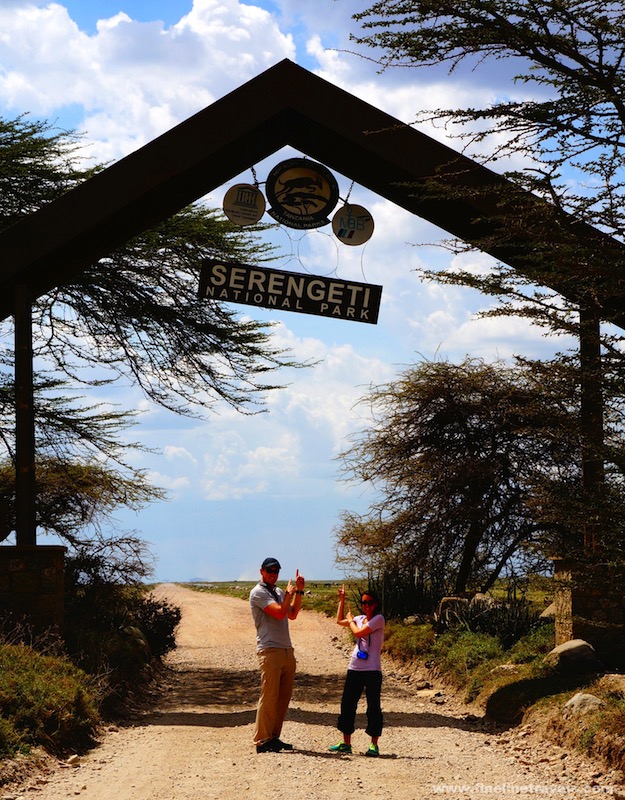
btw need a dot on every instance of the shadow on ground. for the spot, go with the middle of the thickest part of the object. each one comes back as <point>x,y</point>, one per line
<point>227,698</point>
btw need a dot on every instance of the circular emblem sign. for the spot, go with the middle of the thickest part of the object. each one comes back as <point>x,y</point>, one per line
<point>244,204</point>
<point>352,225</point>
<point>302,193</point>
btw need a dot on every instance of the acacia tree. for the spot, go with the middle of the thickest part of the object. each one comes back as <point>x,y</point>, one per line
<point>83,473</point>
<point>476,471</point>
<point>567,123</point>
<point>569,57</point>
<point>136,312</point>
<point>133,314</point>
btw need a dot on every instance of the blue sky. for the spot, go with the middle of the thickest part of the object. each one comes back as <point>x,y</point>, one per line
<point>241,488</point>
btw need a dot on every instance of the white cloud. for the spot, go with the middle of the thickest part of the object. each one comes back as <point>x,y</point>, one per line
<point>173,453</point>
<point>494,338</point>
<point>134,79</point>
<point>168,482</point>
<point>499,337</point>
<point>233,471</point>
<point>321,399</point>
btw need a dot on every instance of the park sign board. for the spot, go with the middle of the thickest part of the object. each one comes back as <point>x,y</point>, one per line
<point>289,291</point>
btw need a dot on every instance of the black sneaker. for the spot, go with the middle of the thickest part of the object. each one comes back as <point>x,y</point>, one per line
<point>280,745</point>
<point>267,747</point>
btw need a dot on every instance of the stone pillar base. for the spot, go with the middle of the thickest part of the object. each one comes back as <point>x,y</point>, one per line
<point>590,605</point>
<point>31,585</point>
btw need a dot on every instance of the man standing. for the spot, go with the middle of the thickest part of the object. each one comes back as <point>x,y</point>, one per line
<point>272,608</point>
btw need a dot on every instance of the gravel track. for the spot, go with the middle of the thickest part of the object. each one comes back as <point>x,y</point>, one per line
<point>194,742</point>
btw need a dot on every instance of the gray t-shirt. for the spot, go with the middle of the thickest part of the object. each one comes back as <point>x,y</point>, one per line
<point>270,632</point>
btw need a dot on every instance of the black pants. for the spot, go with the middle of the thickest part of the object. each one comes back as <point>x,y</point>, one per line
<point>355,682</point>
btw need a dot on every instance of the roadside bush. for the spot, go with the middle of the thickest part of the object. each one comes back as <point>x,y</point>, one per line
<point>44,700</point>
<point>10,740</point>
<point>158,620</point>
<point>509,622</point>
<point>458,653</point>
<point>407,642</point>
<point>403,594</point>
<point>608,734</point>
<point>114,631</point>
<point>535,644</point>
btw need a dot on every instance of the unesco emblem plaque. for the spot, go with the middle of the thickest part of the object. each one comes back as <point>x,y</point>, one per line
<point>244,204</point>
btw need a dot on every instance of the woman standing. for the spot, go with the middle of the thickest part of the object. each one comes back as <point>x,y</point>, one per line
<point>364,671</point>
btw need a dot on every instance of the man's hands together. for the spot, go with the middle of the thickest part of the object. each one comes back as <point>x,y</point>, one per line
<point>298,587</point>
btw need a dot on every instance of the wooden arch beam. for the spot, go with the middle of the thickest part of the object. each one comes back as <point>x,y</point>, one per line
<point>287,105</point>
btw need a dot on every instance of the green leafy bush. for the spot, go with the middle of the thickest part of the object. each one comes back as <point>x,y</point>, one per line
<point>10,740</point>
<point>406,642</point>
<point>158,620</point>
<point>114,631</point>
<point>535,644</point>
<point>458,653</point>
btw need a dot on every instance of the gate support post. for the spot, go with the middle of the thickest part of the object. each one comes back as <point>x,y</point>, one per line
<point>25,521</point>
<point>589,595</point>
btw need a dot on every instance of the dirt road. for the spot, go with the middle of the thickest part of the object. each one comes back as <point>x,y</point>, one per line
<point>196,742</point>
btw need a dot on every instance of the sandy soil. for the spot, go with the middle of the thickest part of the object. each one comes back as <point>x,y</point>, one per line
<point>195,742</point>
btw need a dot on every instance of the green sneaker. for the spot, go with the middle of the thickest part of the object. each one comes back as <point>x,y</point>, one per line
<point>341,747</point>
<point>373,750</point>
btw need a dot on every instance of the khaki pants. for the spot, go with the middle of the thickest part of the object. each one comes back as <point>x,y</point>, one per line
<point>277,672</point>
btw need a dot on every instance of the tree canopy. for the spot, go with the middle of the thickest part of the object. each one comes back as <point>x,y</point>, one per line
<point>477,473</point>
<point>135,314</point>
<point>562,112</point>
<point>569,108</point>
<point>558,82</point>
